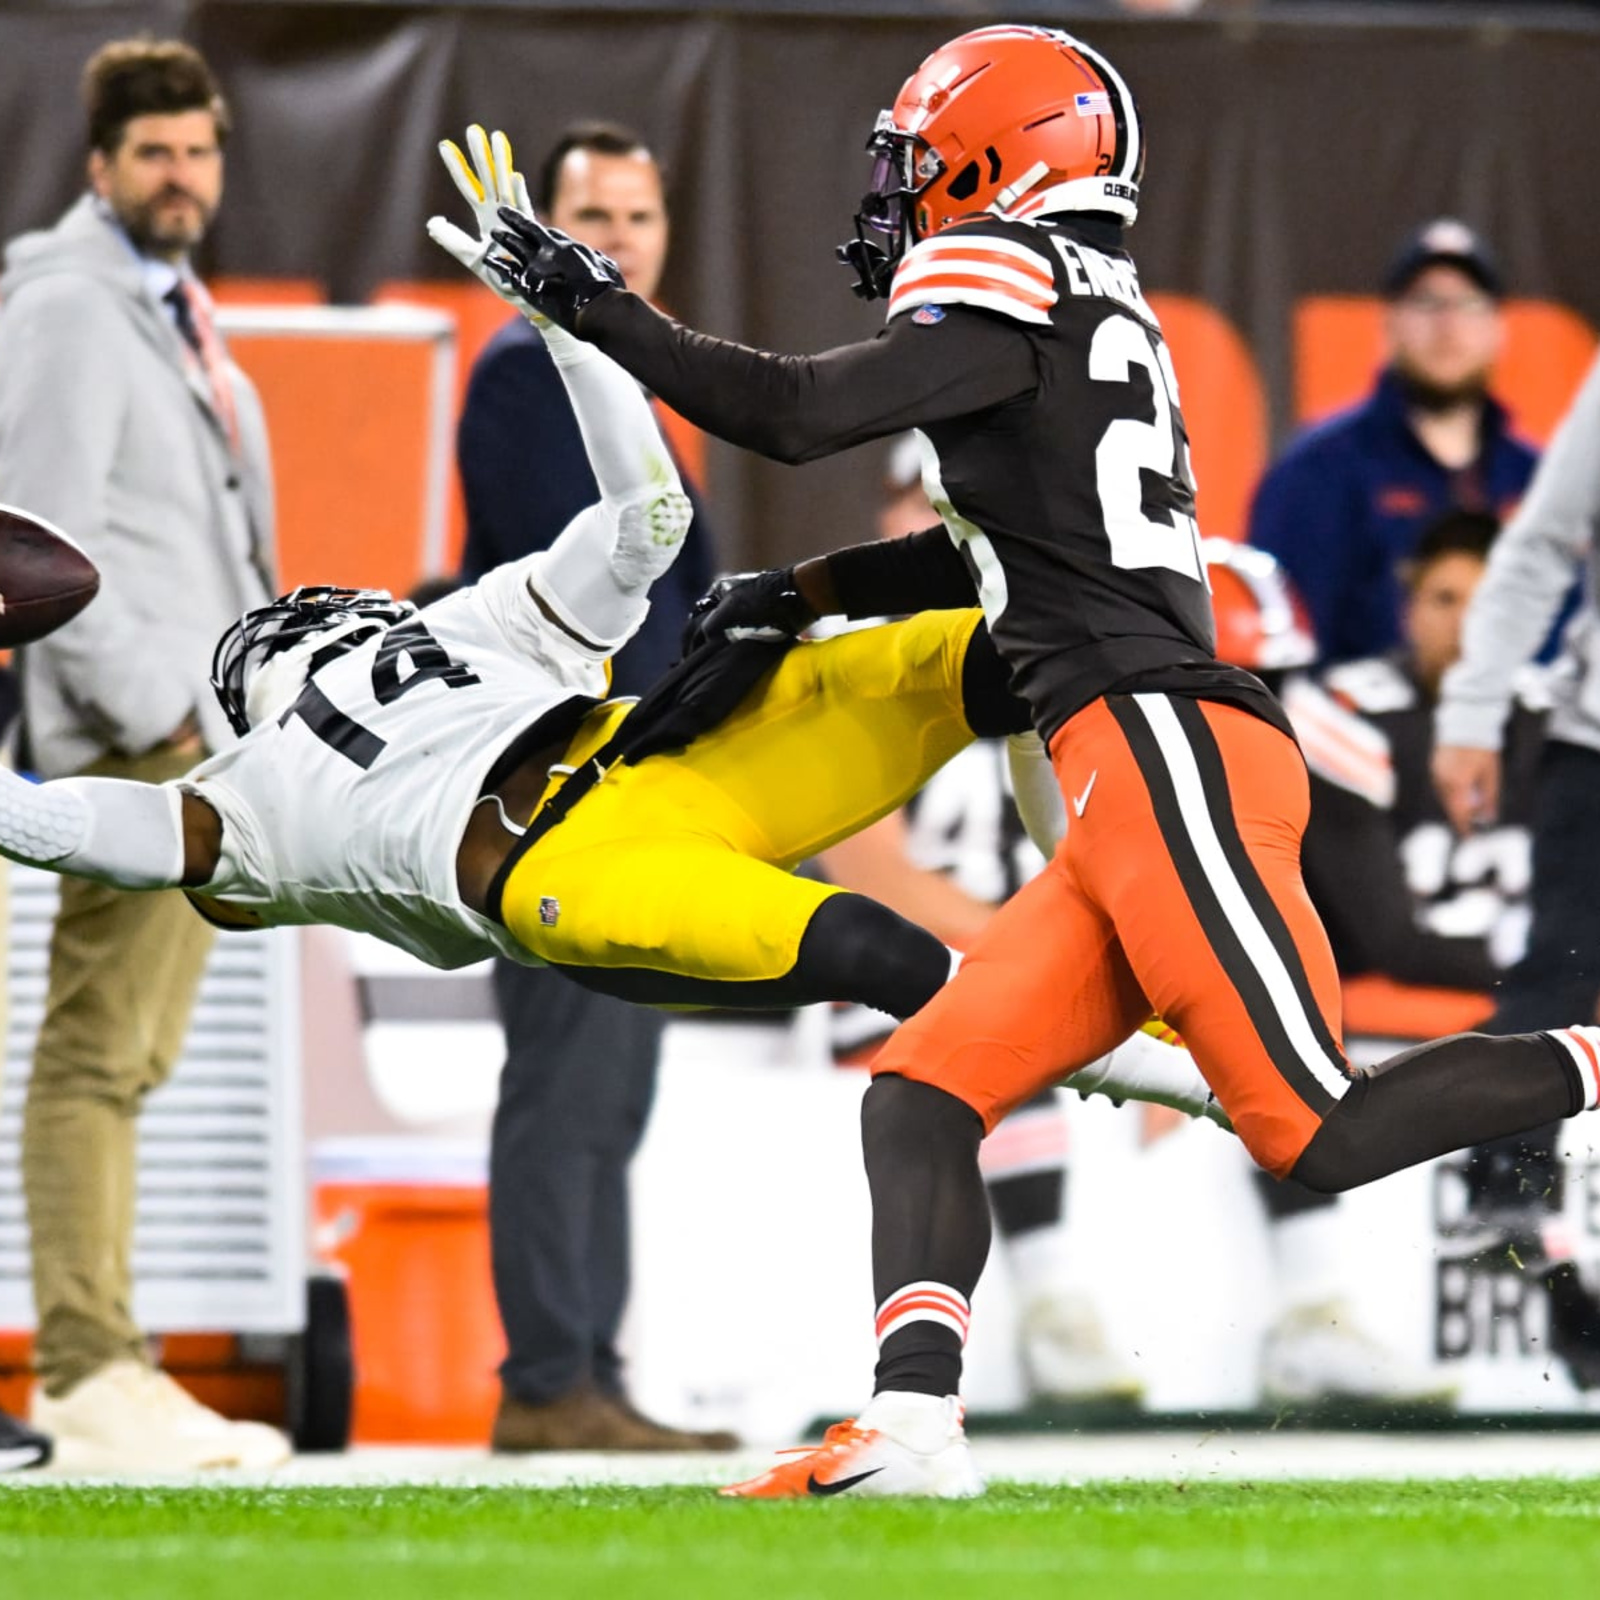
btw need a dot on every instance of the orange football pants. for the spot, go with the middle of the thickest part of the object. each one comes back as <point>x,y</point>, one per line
<point>1176,890</point>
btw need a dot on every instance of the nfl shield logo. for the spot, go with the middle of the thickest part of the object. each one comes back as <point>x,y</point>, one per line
<point>928,315</point>
<point>549,910</point>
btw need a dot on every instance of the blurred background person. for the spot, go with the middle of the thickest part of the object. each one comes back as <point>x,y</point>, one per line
<point>123,421</point>
<point>1405,899</point>
<point>1423,921</point>
<point>1346,502</point>
<point>957,851</point>
<point>1516,1184</point>
<point>580,1070</point>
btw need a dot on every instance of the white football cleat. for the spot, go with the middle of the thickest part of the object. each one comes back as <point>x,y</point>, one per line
<point>1318,1353</point>
<point>1153,1065</point>
<point>901,1444</point>
<point>1065,1354</point>
<point>128,1417</point>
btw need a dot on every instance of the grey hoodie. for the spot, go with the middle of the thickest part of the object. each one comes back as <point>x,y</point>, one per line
<point>1531,567</point>
<point>108,430</point>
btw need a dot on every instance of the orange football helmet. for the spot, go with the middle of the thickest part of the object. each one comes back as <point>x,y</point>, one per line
<point>1262,624</point>
<point>1017,121</point>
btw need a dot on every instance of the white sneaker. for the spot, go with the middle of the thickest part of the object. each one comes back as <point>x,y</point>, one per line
<point>902,1444</point>
<point>128,1417</point>
<point>1319,1353</point>
<point>1065,1355</point>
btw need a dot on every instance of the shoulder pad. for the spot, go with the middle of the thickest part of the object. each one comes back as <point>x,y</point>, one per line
<point>1338,745</point>
<point>982,268</point>
<point>1372,686</point>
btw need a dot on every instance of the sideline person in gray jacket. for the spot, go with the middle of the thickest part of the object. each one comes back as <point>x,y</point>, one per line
<point>123,422</point>
<point>1516,1183</point>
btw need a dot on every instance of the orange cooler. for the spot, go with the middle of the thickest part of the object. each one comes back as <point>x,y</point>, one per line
<point>406,1223</point>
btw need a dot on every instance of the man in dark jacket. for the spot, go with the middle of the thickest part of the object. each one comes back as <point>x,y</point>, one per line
<point>580,1068</point>
<point>1346,503</point>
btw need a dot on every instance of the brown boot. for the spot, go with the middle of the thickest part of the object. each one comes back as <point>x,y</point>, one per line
<point>682,1438</point>
<point>586,1419</point>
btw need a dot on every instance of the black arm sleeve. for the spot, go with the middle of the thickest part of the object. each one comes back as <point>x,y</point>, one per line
<point>895,577</point>
<point>799,408</point>
<point>1351,863</point>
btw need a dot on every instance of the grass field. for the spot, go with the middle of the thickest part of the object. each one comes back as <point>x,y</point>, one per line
<point>1337,1541</point>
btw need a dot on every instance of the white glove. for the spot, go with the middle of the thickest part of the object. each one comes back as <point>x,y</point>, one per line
<point>487,182</point>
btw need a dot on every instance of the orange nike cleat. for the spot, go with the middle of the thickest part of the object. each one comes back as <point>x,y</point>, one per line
<point>883,1460</point>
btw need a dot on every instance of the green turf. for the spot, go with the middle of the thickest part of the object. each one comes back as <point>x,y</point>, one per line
<point>1326,1541</point>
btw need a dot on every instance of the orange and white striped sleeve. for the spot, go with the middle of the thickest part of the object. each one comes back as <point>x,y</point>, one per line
<point>1340,746</point>
<point>974,269</point>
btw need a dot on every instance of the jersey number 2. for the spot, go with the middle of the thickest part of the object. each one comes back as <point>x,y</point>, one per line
<point>1130,448</point>
<point>339,731</point>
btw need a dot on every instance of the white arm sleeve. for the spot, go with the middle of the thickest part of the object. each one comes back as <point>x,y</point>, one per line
<point>1040,802</point>
<point>121,833</point>
<point>597,575</point>
<point>1531,567</point>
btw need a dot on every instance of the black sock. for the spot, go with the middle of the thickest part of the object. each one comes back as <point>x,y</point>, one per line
<point>930,1221</point>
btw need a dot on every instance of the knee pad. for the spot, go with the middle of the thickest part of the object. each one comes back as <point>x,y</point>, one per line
<point>856,949</point>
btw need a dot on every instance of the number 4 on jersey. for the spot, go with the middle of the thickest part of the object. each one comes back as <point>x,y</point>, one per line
<point>1130,448</point>
<point>428,660</point>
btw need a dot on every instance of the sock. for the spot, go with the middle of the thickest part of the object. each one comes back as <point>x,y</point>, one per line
<point>1583,1046</point>
<point>930,1229</point>
<point>921,1329</point>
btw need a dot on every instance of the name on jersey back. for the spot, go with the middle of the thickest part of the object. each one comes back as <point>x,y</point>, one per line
<point>1089,273</point>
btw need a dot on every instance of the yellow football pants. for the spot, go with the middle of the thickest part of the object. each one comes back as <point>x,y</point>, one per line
<point>682,864</point>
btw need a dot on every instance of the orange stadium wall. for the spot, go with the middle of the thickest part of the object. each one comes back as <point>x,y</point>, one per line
<point>1268,215</point>
<point>353,514</point>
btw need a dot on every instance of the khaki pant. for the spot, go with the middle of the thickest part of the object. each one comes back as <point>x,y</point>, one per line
<point>124,970</point>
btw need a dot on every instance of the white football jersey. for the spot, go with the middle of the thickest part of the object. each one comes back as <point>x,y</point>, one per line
<point>349,807</point>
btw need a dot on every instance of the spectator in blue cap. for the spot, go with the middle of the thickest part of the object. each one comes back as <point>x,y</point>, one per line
<point>1343,507</point>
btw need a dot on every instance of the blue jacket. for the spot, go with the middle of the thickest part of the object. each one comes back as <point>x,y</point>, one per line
<point>525,475</point>
<point>1346,502</point>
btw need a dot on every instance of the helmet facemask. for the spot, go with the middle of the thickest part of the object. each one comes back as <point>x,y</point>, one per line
<point>903,166</point>
<point>262,661</point>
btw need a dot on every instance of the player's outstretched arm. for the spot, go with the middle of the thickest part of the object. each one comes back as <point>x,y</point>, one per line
<point>597,573</point>
<point>884,577</point>
<point>792,408</point>
<point>130,835</point>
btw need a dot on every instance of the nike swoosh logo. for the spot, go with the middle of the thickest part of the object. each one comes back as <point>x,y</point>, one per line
<point>839,1485</point>
<point>1080,801</point>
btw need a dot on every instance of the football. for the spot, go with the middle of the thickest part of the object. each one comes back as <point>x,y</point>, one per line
<point>45,579</point>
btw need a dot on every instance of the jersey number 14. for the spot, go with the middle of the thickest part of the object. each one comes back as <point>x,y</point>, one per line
<point>430,663</point>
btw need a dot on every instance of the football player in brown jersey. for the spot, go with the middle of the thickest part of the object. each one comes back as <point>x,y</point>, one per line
<point>1020,346</point>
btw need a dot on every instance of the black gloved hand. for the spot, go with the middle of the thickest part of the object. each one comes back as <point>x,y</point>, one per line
<point>697,695</point>
<point>748,605</point>
<point>555,274</point>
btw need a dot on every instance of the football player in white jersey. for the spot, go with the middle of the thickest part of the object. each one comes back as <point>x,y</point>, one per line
<point>454,781</point>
